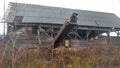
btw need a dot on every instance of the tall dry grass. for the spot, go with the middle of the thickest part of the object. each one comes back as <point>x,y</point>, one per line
<point>96,56</point>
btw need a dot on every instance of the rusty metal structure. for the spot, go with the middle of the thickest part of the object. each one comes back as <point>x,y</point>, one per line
<point>44,22</point>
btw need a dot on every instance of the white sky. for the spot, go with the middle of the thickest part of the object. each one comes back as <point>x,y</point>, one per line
<point>112,6</point>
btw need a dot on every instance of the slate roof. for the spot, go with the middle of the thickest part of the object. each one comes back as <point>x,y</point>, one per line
<point>55,15</point>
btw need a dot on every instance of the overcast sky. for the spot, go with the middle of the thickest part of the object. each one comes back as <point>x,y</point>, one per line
<point>112,6</point>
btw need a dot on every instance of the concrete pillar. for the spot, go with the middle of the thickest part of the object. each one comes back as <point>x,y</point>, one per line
<point>118,33</point>
<point>108,38</point>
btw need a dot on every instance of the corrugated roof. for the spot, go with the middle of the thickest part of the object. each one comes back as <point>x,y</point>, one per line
<point>55,15</point>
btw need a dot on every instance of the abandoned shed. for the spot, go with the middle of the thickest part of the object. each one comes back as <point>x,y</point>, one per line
<point>50,19</point>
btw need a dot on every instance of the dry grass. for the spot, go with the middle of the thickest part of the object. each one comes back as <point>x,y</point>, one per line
<point>96,56</point>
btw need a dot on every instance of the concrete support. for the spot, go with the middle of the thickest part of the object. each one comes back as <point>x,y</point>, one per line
<point>109,39</point>
<point>118,33</point>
